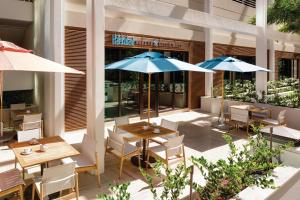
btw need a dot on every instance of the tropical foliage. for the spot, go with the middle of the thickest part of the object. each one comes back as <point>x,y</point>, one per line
<point>251,165</point>
<point>173,181</point>
<point>285,14</point>
<point>120,193</point>
<point>280,92</point>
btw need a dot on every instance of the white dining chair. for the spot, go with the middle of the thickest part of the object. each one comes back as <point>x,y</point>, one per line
<point>13,117</point>
<point>170,151</point>
<point>24,136</point>
<point>57,179</point>
<point>124,120</point>
<point>240,117</point>
<point>27,135</point>
<point>169,125</point>
<point>32,121</point>
<point>280,121</point>
<point>120,147</point>
<point>88,159</point>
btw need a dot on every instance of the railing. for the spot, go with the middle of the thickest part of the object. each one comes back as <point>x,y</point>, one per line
<point>27,0</point>
<point>250,3</point>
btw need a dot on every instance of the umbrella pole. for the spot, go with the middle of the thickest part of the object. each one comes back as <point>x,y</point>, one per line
<point>222,100</point>
<point>149,90</point>
<point>1,103</point>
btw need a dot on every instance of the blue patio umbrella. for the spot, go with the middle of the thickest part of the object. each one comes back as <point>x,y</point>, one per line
<point>226,63</point>
<point>153,62</point>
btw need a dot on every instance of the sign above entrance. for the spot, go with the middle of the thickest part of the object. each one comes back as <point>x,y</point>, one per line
<point>126,40</point>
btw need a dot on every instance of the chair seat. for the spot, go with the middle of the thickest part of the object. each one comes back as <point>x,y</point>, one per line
<point>129,148</point>
<point>159,140</point>
<point>10,179</point>
<point>81,161</point>
<point>270,121</point>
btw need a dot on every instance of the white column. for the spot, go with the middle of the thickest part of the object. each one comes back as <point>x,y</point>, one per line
<point>95,26</point>
<point>271,44</point>
<point>208,49</point>
<point>271,59</point>
<point>49,43</point>
<point>261,46</point>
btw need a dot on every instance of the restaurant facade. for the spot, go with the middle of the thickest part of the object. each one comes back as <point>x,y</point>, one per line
<point>162,26</point>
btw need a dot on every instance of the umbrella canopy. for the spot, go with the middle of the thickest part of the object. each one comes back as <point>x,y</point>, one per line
<point>154,62</point>
<point>225,63</point>
<point>15,58</point>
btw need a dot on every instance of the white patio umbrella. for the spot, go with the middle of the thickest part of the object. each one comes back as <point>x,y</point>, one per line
<point>15,58</point>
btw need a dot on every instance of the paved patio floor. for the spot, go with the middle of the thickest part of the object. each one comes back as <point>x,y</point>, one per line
<point>200,140</point>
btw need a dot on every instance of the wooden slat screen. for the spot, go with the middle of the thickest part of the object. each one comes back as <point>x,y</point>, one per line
<point>75,85</point>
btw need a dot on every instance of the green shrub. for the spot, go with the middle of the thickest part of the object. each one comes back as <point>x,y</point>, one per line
<point>120,193</point>
<point>250,166</point>
<point>173,182</point>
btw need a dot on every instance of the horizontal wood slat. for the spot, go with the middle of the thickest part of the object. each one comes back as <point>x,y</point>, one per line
<point>75,85</point>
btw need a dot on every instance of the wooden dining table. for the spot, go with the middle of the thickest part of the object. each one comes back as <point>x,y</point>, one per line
<point>56,149</point>
<point>137,130</point>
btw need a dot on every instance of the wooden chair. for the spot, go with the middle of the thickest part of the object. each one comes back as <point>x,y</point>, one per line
<point>124,120</point>
<point>88,159</point>
<point>120,147</point>
<point>172,150</point>
<point>280,121</point>
<point>57,179</point>
<point>169,125</point>
<point>11,182</point>
<point>240,117</point>
<point>33,121</point>
<point>13,118</point>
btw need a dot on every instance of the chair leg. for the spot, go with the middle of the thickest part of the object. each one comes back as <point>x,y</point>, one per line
<point>121,167</point>
<point>33,192</point>
<point>147,163</point>
<point>98,177</point>
<point>15,163</point>
<point>76,187</point>
<point>247,129</point>
<point>183,154</point>
<point>21,192</point>
<point>139,158</point>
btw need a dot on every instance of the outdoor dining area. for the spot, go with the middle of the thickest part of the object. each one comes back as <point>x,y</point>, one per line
<point>51,166</point>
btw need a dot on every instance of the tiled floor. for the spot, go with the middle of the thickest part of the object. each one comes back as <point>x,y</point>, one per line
<point>200,139</point>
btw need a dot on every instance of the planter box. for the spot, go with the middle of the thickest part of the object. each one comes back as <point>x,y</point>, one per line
<point>212,105</point>
<point>287,181</point>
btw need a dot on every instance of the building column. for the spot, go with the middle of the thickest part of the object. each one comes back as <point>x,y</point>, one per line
<point>209,50</point>
<point>49,43</point>
<point>95,27</point>
<point>271,60</point>
<point>261,46</point>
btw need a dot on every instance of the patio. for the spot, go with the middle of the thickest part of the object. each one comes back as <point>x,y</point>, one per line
<point>200,139</point>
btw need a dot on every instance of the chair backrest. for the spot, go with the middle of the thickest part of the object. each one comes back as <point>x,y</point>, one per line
<point>88,147</point>
<point>27,135</point>
<point>174,145</point>
<point>33,121</point>
<point>239,115</point>
<point>169,124</point>
<point>18,106</point>
<point>120,121</point>
<point>58,178</point>
<point>281,117</point>
<point>115,141</point>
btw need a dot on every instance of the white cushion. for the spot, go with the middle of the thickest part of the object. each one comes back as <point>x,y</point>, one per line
<point>271,121</point>
<point>80,161</point>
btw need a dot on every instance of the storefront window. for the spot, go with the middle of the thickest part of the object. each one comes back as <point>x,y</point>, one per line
<point>126,93</point>
<point>287,69</point>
